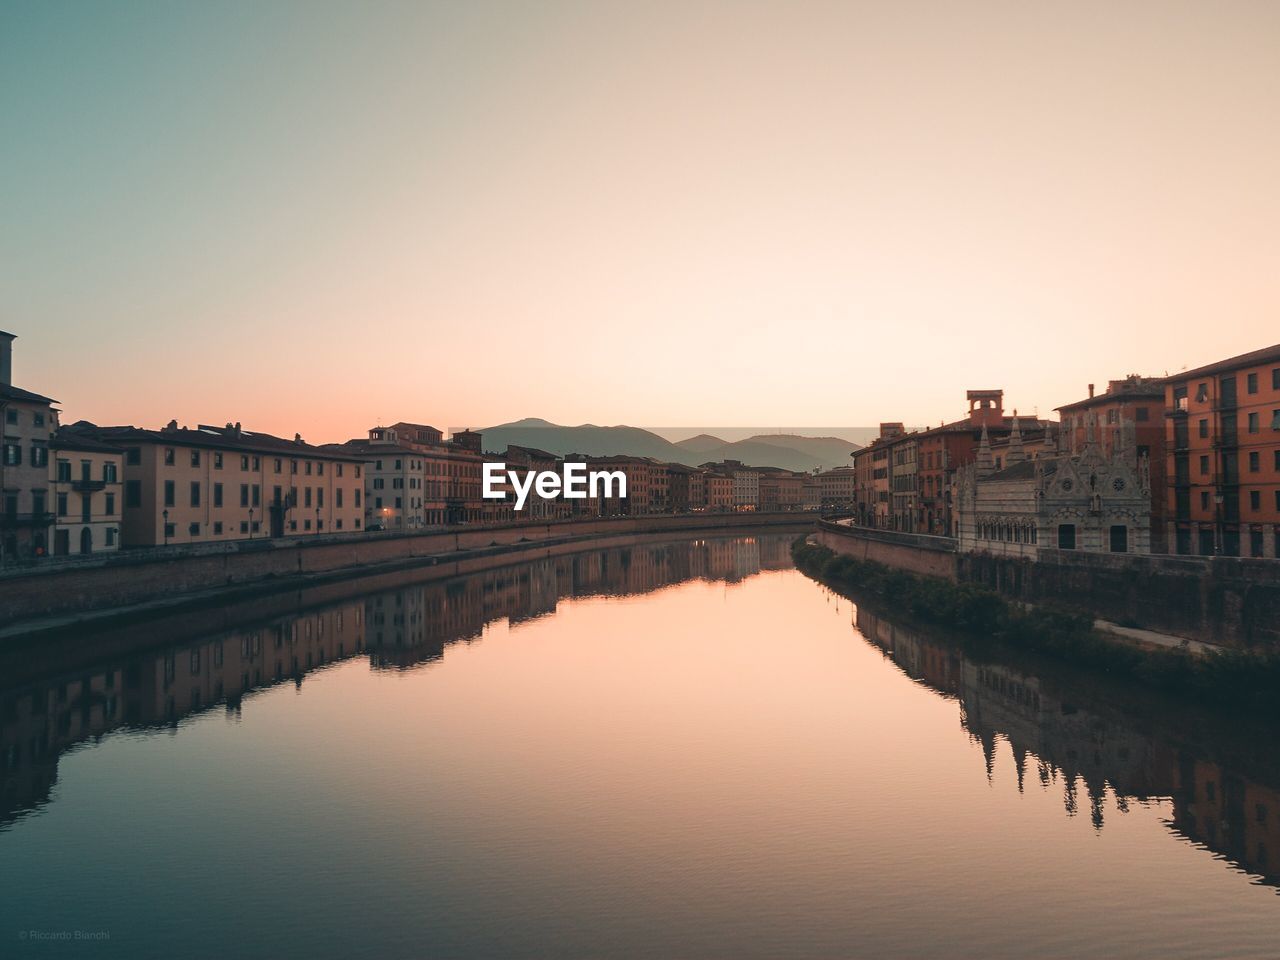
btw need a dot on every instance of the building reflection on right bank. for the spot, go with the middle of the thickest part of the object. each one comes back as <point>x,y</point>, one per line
<point>1062,735</point>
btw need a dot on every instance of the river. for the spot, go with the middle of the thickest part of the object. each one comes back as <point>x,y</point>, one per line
<point>681,749</point>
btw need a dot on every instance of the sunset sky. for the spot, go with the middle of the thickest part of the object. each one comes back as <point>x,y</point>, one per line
<point>313,216</point>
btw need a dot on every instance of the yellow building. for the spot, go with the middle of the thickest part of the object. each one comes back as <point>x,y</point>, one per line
<point>214,484</point>
<point>86,478</point>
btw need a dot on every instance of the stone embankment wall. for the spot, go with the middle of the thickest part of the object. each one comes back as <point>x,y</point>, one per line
<point>1230,601</point>
<point>916,553</point>
<point>127,578</point>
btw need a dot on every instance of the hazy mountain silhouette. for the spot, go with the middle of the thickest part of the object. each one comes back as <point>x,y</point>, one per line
<point>789,452</point>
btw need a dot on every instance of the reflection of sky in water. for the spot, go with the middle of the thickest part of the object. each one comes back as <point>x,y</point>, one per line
<point>718,768</point>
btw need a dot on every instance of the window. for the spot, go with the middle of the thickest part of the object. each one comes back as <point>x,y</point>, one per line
<point>169,496</point>
<point>111,536</point>
<point>64,471</point>
<point>110,473</point>
<point>320,468</point>
<point>168,456</point>
<point>1275,379</point>
<point>338,495</point>
<point>193,528</point>
<point>1204,428</point>
<point>1255,500</point>
<point>306,496</point>
<point>195,493</point>
<point>1119,538</point>
<point>306,524</point>
<point>1204,465</point>
<point>244,526</point>
<point>1066,536</point>
<point>133,456</point>
<point>308,466</point>
<point>1255,463</point>
<point>358,492</point>
<point>257,495</point>
<point>12,455</point>
<point>1204,499</point>
<point>1206,542</point>
<point>39,455</point>
<point>244,494</point>
<point>293,466</point>
<point>319,496</point>
<point>169,531</point>
<point>217,528</point>
<point>1142,414</point>
<point>195,458</point>
<point>1202,393</point>
<point>1254,426</point>
<point>279,465</point>
<point>257,464</point>
<point>111,505</point>
<point>37,503</point>
<point>1251,383</point>
<point>217,460</point>
<point>11,416</point>
<point>133,493</point>
<point>255,526</point>
<point>1275,419</point>
<point>339,468</point>
<point>1255,542</point>
<point>217,494</point>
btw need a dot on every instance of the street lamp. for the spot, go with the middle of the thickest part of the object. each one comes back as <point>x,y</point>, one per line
<point>1217,517</point>
<point>166,526</point>
<point>317,519</point>
<point>251,523</point>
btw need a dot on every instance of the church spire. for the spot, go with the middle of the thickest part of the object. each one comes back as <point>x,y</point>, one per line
<point>1015,453</point>
<point>986,462</point>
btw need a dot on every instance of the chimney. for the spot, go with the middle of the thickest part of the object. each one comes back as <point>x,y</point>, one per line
<point>6,358</point>
<point>1091,391</point>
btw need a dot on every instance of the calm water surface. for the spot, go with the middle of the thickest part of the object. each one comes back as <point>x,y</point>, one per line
<point>684,749</point>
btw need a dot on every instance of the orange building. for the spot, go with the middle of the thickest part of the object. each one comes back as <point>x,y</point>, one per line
<point>1223,457</point>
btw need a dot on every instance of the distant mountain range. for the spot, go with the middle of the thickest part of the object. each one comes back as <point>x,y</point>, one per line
<point>788,451</point>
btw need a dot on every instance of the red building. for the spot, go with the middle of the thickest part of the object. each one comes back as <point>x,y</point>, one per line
<point>1223,457</point>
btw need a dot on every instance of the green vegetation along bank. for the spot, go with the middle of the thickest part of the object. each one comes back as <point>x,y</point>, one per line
<point>1237,680</point>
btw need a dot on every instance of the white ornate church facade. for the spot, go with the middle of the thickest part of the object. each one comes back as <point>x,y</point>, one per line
<point>1068,500</point>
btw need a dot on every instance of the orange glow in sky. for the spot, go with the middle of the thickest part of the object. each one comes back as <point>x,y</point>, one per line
<point>314,217</point>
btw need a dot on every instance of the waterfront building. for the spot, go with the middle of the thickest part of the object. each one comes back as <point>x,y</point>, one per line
<point>780,489</point>
<point>720,497</point>
<point>1222,490</point>
<point>524,459</point>
<point>679,479</point>
<point>1138,401</point>
<point>1090,500</point>
<point>838,489</point>
<point>453,475</point>
<point>811,494</point>
<point>746,486</point>
<point>394,480</point>
<point>214,484</point>
<point>904,479</point>
<point>28,421</point>
<point>86,479</point>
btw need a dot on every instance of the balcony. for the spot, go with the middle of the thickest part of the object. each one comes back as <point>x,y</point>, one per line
<point>11,521</point>
<point>88,486</point>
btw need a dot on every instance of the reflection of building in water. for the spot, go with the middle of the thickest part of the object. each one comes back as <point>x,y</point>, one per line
<point>1085,750</point>
<point>414,624</point>
<point>40,722</point>
<point>398,628</point>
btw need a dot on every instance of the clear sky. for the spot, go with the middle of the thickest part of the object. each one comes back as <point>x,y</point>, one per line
<point>311,216</point>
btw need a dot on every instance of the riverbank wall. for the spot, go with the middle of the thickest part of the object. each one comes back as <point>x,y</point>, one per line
<point>1232,602</point>
<point>129,578</point>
